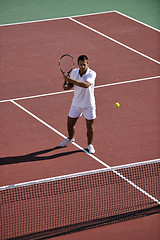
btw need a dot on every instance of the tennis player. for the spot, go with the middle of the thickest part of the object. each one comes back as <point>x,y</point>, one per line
<point>83,80</point>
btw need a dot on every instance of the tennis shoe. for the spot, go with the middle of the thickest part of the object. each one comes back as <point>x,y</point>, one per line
<point>91,149</point>
<point>66,141</point>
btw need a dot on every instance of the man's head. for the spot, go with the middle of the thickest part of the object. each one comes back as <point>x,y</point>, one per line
<point>82,58</point>
<point>83,64</point>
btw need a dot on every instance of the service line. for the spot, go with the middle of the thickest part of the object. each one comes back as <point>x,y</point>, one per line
<point>70,91</point>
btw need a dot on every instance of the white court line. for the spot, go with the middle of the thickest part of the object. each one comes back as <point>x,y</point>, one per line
<point>53,19</point>
<point>36,96</point>
<point>69,91</point>
<point>125,82</point>
<point>56,131</point>
<point>113,40</point>
<point>135,20</point>
<point>94,157</point>
<point>83,15</point>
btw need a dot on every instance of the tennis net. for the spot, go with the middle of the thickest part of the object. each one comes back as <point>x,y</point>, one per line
<point>58,205</point>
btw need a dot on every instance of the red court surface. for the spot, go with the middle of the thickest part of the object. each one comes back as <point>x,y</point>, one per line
<point>127,72</point>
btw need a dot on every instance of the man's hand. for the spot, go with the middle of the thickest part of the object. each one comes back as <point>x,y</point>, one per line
<point>65,78</point>
<point>67,85</point>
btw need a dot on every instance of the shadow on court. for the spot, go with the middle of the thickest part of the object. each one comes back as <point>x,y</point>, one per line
<point>35,156</point>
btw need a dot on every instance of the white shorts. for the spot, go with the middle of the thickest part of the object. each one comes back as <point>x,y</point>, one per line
<point>89,113</point>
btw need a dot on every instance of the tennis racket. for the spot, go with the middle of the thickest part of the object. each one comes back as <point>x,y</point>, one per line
<point>66,64</point>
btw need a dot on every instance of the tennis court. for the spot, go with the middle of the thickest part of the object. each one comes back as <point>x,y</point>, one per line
<point>34,108</point>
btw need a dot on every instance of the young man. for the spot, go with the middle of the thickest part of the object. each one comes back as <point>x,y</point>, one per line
<point>83,79</point>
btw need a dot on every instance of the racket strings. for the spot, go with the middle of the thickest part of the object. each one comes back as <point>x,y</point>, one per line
<point>66,64</point>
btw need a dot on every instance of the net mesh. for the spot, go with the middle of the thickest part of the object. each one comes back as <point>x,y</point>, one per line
<point>66,63</point>
<point>54,206</point>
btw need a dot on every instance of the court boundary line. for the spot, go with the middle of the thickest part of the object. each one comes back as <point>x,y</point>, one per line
<point>113,40</point>
<point>53,19</point>
<point>138,21</point>
<point>69,91</point>
<point>83,15</point>
<point>90,155</point>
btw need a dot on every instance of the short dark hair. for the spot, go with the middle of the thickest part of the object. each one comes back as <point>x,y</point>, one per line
<point>82,58</point>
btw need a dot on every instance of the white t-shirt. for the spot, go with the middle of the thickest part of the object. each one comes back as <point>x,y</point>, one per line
<point>84,97</point>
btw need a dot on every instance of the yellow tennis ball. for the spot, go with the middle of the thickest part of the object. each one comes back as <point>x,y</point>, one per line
<point>117,104</point>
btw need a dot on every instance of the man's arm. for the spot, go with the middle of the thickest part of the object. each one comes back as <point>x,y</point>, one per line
<point>78,83</point>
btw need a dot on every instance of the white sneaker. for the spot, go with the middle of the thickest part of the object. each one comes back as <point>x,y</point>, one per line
<point>66,141</point>
<point>91,149</point>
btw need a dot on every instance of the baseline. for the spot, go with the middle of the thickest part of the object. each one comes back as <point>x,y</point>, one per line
<point>90,14</point>
<point>53,19</point>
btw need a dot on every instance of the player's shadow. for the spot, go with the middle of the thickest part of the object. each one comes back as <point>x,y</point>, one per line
<point>36,156</point>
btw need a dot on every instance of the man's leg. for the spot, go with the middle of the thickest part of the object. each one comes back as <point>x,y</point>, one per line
<point>90,130</point>
<point>71,130</point>
<point>71,126</point>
